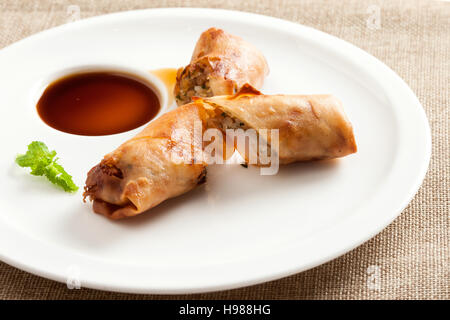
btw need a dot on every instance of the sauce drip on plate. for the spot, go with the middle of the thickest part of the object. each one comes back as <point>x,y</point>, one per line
<point>168,76</point>
<point>97,103</point>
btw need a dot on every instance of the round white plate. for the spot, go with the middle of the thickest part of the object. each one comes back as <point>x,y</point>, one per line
<point>241,228</point>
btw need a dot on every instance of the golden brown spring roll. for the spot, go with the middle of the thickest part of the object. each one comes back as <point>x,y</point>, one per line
<point>220,65</point>
<point>311,127</point>
<point>149,168</point>
<point>143,171</point>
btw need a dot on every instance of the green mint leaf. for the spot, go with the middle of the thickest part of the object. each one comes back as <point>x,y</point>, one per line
<point>43,163</point>
<point>37,155</point>
<point>57,175</point>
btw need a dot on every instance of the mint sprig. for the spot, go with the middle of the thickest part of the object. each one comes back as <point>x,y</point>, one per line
<point>43,163</point>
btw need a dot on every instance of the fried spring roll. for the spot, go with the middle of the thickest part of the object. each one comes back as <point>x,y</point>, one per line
<point>311,127</point>
<point>220,65</point>
<point>143,171</point>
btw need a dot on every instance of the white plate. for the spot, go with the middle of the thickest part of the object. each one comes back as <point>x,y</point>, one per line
<point>245,228</point>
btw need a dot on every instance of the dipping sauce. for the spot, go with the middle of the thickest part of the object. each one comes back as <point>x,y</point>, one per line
<point>97,103</point>
<point>168,76</point>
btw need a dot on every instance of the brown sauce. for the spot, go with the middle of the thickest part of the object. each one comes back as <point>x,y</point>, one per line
<point>168,76</point>
<point>97,103</point>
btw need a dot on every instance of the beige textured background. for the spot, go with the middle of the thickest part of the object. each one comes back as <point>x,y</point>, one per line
<point>413,252</point>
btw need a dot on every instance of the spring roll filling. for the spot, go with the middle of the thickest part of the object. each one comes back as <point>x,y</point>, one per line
<point>224,121</point>
<point>194,82</point>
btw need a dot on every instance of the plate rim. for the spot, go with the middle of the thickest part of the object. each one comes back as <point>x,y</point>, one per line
<point>26,260</point>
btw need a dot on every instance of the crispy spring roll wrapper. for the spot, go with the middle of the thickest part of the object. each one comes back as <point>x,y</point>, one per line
<point>149,168</point>
<point>220,65</point>
<point>311,127</point>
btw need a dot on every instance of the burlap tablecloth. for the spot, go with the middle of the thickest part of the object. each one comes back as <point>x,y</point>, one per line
<point>412,254</point>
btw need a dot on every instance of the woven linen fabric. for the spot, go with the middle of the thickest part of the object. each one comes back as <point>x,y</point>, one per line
<point>410,258</point>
